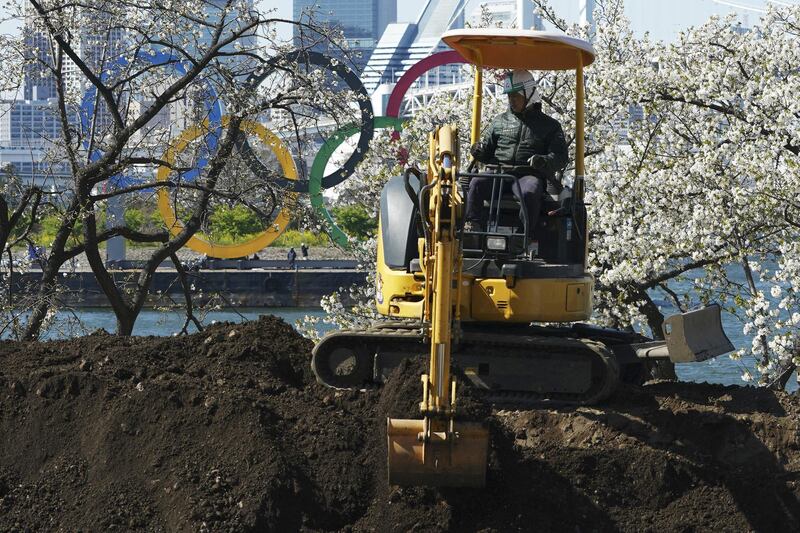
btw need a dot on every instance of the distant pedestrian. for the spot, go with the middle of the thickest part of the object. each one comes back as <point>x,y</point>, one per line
<point>304,250</point>
<point>292,257</point>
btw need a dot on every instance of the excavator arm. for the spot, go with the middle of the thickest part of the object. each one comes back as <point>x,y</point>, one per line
<point>436,450</point>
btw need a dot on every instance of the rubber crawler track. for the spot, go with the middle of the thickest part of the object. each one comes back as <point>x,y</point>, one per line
<point>407,338</point>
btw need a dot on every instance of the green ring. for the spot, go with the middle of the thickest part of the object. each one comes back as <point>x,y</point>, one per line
<point>318,170</point>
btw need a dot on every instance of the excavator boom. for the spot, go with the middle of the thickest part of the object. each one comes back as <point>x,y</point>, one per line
<point>435,450</point>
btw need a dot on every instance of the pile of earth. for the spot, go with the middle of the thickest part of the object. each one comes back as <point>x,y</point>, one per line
<point>226,430</point>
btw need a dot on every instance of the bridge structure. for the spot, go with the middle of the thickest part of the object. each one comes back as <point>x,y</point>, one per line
<point>423,97</point>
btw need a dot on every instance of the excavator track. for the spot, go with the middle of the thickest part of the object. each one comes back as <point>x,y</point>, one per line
<point>346,359</point>
<point>536,369</point>
<point>508,369</point>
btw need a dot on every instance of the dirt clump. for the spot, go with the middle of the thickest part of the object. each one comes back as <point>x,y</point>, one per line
<point>227,430</point>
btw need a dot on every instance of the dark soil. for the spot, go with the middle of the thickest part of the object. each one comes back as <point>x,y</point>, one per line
<point>226,430</point>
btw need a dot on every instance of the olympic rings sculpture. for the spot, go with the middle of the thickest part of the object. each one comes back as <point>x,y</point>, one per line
<point>316,182</point>
<point>392,119</point>
<point>352,80</point>
<point>203,245</point>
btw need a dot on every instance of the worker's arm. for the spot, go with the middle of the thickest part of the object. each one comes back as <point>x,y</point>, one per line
<point>484,149</point>
<point>557,154</point>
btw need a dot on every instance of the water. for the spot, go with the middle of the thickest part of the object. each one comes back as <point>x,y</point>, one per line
<point>721,370</point>
<point>158,323</point>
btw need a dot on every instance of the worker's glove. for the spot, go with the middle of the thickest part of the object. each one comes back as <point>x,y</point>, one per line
<point>476,150</point>
<point>537,161</point>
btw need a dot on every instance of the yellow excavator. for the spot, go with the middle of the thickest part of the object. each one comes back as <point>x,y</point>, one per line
<point>480,304</point>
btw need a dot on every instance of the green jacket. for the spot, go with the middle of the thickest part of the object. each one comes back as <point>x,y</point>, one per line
<point>512,139</point>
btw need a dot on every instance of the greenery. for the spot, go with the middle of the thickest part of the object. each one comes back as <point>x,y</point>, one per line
<point>294,238</point>
<point>134,219</point>
<point>229,225</point>
<point>48,225</point>
<point>356,221</point>
<point>234,223</point>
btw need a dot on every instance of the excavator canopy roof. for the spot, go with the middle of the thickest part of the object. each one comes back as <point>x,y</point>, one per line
<point>519,49</point>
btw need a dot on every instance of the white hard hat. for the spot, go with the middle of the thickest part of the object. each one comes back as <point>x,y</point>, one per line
<point>522,81</point>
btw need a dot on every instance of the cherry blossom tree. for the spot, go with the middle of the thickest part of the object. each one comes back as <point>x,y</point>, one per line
<point>176,86</point>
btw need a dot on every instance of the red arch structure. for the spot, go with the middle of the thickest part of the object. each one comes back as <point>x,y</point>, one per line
<point>413,74</point>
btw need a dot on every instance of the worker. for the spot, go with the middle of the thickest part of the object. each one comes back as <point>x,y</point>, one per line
<point>292,257</point>
<point>304,250</point>
<point>524,137</point>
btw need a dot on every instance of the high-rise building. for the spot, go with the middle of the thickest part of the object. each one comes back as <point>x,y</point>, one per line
<point>39,82</point>
<point>404,44</point>
<point>235,20</point>
<point>507,14</point>
<point>362,23</point>
<point>28,129</point>
<point>28,123</point>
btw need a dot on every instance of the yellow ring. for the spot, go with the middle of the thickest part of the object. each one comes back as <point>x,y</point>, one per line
<point>263,239</point>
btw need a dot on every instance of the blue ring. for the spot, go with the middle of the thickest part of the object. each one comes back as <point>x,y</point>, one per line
<point>214,110</point>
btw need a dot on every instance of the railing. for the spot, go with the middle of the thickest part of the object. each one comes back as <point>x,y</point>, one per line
<point>237,264</point>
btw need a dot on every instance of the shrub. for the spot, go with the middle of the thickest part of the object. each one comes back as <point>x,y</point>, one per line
<point>294,238</point>
<point>234,223</point>
<point>134,219</point>
<point>356,221</point>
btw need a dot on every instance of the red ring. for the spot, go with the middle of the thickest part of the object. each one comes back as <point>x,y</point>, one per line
<point>412,74</point>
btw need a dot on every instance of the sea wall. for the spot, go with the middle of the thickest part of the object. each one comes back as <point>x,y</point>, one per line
<point>302,287</point>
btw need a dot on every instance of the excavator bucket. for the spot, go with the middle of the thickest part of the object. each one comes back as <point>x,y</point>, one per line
<point>696,335</point>
<point>450,458</point>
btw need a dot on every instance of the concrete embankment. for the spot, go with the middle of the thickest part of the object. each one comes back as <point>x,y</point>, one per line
<point>260,287</point>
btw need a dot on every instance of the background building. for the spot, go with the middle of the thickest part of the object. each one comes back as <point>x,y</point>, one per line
<point>38,82</point>
<point>28,123</point>
<point>27,131</point>
<point>361,21</point>
<point>405,43</point>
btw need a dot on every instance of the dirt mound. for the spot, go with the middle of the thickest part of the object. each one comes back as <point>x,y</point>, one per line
<point>226,430</point>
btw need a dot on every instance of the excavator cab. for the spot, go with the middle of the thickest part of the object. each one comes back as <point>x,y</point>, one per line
<point>510,235</point>
<point>547,283</point>
<point>476,303</point>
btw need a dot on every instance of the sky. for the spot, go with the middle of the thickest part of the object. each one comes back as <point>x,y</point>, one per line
<point>663,19</point>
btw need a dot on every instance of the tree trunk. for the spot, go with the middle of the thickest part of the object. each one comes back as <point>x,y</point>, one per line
<point>125,322</point>
<point>661,369</point>
<point>126,314</point>
<point>55,259</point>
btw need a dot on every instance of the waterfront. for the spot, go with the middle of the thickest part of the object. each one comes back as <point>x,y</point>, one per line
<point>159,323</point>
<point>721,370</point>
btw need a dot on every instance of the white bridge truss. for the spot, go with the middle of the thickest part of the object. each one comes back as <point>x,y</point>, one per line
<point>420,98</point>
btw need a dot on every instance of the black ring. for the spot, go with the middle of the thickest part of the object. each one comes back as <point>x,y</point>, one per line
<point>364,103</point>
